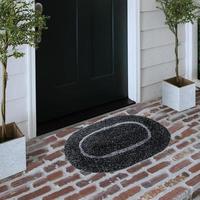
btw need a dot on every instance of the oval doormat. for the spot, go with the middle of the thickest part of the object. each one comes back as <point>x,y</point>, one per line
<point>116,143</point>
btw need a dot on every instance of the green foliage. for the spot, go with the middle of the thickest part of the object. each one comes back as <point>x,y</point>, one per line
<point>18,20</point>
<point>20,24</point>
<point>179,12</point>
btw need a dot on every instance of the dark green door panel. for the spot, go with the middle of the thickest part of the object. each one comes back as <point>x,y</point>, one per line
<point>82,60</point>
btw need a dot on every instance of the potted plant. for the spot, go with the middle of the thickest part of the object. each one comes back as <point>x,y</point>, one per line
<point>178,92</point>
<point>20,24</point>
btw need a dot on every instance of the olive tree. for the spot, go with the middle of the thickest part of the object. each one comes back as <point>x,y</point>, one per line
<point>178,12</point>
<point>20,24</point>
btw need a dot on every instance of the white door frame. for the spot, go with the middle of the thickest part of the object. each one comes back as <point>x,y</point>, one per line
<point>191,50</point>
<point>134,57</point>
<point>31,92</point>
<point>134,72</point>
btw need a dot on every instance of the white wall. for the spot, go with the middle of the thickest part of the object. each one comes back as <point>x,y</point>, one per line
<point>17,90</point>
<point>157,50</point>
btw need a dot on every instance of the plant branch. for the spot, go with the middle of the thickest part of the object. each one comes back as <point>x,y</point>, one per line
<point>4,86</point>
<point>3,102</point>
<point>177,55</point>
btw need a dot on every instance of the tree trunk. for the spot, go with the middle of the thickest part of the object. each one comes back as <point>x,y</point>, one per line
<point>177,56</point>
<point>3,102</point>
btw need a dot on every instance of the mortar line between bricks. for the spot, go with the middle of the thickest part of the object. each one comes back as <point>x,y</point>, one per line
<point>172,177</point>
<point>185,140</point>
<point>51,184</point>
<point>99,189</point>
<point>124,189</point>
<point>166,190</point>
<point>56,187</point>
<point>138,182</point>
<point>65,175</point>
<point>145,190</point>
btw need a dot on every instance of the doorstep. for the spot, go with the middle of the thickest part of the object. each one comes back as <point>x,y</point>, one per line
<point>171,174</point>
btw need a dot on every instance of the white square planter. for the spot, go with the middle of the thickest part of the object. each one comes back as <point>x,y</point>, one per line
<point>178,98</point>
<point>13,154</point>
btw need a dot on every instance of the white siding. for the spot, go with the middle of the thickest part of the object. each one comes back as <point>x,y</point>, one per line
<point>17,105</point>
<point>157,50</point>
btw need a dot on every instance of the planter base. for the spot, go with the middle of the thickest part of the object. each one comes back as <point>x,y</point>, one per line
<point>178,98</point>
<point>12,152</point>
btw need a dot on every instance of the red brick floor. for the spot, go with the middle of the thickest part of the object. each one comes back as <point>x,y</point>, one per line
<point>173,174</point>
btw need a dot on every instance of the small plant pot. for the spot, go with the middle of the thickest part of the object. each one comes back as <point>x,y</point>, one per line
<point>181,96</point>
<point>12,152</point>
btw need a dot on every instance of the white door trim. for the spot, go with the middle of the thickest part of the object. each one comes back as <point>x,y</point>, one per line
<point>134,71</point>
<point>191,50</point>
<point>134,59</point>
<point>31,91</point>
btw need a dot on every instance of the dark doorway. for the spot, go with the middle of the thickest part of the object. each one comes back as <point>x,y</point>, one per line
<point>82,60</point>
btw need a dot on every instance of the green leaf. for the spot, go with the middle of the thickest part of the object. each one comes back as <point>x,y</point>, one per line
<point>20,24</point>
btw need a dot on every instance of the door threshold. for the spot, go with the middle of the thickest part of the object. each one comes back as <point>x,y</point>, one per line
<point>73,118</point>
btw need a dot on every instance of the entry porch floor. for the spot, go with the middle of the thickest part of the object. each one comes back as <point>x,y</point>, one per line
<point>173,174</point>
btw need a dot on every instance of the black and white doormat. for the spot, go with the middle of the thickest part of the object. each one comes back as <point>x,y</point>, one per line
<point>116,143</point>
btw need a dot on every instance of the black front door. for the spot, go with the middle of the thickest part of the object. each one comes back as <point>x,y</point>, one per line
<point>82,60</point>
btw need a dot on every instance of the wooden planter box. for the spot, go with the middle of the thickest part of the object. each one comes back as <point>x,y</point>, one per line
<point>178,98</point>
<point>12,152</point>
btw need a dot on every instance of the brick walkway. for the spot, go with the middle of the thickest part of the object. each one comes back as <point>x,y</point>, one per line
<point>172,174</point>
